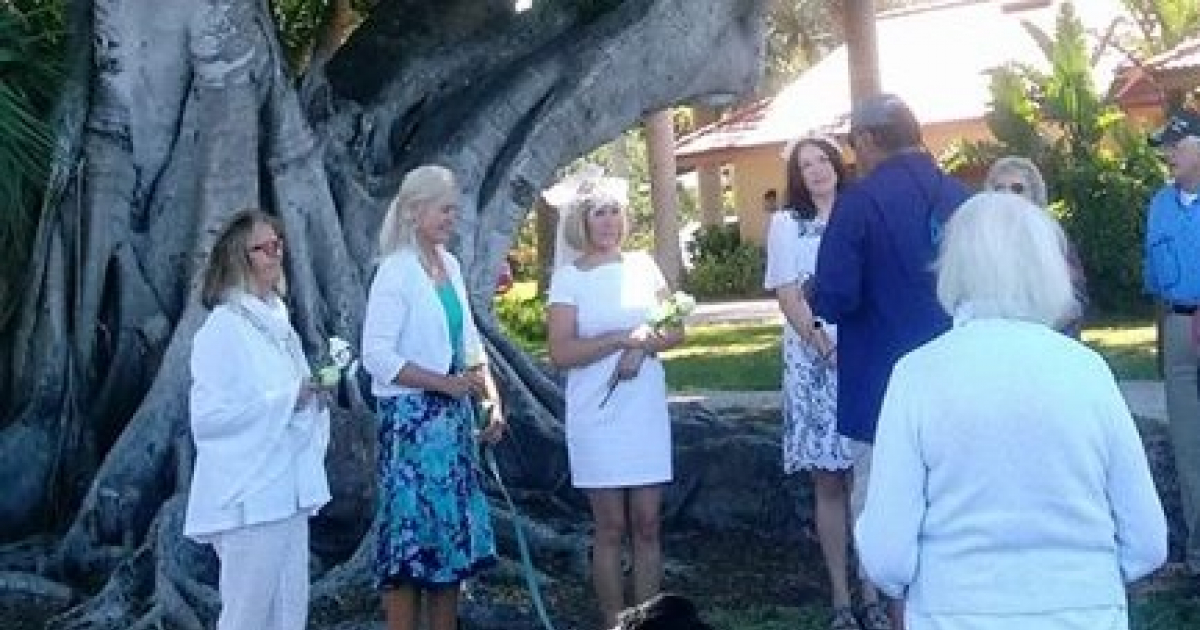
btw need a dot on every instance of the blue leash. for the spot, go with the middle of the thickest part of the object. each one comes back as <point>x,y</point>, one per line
<point>535,590</point>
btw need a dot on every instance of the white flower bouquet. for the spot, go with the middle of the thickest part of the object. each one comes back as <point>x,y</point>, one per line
<point>667,314</point>
<point>339,357</point>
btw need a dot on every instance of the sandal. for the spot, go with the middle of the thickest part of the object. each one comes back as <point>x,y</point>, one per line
<point>875,617</point>
<point>843,619</point>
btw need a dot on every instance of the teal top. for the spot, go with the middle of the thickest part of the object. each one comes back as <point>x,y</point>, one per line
<point>454,320</point>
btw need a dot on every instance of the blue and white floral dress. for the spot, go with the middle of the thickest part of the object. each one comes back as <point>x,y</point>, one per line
<point>810,437</point>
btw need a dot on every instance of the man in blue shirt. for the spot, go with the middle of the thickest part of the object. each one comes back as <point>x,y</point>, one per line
<point>874,270</point>
<point>1172,277</point>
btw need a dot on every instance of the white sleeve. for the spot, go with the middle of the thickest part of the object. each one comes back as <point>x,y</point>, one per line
<point>1141,527</point>
<point>783,240</point>
<point>562,286</point>
<point>888,530</point>
<point>387,313</point>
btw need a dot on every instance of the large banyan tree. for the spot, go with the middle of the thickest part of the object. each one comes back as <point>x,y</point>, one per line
<point>179,112</point>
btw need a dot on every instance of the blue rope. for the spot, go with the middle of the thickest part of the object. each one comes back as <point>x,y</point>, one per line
<point>531,581</point>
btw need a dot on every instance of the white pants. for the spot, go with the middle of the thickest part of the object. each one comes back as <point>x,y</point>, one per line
<point>264,575</point>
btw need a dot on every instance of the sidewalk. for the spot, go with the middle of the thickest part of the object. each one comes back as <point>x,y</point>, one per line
<point>742,311</point>
<point>1145,399</point>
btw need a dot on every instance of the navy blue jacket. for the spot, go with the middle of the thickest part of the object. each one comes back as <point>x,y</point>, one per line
<point>875,278</point>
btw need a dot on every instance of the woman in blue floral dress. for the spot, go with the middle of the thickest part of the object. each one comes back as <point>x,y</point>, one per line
<point>815,173</point>
<point>426,363</point>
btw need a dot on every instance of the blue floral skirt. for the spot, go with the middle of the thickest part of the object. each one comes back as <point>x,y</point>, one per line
<point>434,527</point>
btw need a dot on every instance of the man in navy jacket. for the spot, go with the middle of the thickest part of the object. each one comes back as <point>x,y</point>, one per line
<point>875,276</point>
<point>874,271</point>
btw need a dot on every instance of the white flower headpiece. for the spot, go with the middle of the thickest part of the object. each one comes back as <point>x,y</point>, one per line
<point>586,188</point>
<point>587,183</point>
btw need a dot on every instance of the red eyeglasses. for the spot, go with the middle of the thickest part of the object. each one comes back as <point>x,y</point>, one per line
<point>273,247</point>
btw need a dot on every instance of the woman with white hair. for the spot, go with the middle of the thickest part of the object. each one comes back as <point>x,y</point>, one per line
<point>1020,176</point>
<point>1013,489</point>
<point>426,361</point>
<point>618,437</point>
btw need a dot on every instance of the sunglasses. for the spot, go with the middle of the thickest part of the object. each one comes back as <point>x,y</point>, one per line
<point>273,247</point>
<point>1015,188</point>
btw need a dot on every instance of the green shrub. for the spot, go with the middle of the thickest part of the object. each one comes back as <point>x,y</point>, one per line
<point>523,318</point>
<point>723,265</point>
<point>1099,170</point>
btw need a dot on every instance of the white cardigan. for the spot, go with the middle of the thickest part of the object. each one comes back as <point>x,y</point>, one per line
<point>405,322</point>
<point>1007,477</point>
<point>257,460</point>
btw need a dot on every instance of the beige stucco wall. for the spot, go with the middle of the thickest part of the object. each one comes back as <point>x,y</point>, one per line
<point>756,170</point>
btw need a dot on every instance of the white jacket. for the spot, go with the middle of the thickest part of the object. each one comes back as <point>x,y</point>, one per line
<point>1007,478</point>
<point>257,460</point>
<point>405,322</point>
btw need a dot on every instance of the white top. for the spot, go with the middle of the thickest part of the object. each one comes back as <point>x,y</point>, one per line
<point>405,322</point>
<point>1008,478</point>
<point>792,247</point>
<point>627,442</point>
<point>257,460</point>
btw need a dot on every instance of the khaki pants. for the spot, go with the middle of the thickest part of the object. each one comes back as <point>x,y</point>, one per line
<point>1183,408</point>
<point>264,575</point>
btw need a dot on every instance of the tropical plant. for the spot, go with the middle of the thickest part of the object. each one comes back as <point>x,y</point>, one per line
<point>1164,23</point>
<point>30,73</point>
<point>1097,164</point>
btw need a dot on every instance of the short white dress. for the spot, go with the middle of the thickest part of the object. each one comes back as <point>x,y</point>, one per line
<point>626,442</point>
<point>810,437</point>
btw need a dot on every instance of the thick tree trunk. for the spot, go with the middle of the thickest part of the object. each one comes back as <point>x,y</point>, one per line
<point>184,115</point>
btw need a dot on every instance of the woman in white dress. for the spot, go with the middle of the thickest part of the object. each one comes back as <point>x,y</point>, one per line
<point>618,438</point>
<point>815,173</point>
<point>1015,491</point>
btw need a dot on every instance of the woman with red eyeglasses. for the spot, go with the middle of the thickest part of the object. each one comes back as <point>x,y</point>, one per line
<point>260,429</point>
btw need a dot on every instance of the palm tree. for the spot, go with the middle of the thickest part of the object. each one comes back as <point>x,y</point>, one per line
<point>30,63</point>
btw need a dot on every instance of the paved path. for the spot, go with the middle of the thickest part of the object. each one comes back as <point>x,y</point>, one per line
<point>762,310</point>
<point>1145,399</point>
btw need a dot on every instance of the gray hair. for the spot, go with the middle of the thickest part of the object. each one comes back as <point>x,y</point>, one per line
<point>1004,257</point>
<point>1023,167</point>
<point>422,188</point>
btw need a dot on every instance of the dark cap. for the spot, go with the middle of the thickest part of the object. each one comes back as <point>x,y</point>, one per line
<point>1181,124</point>
<point>878,111</point>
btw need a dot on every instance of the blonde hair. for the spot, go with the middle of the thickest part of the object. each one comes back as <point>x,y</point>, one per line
<point>1023,167</point>
<point>421,188</point>
<point>574,227</point>
<point>228,264</point>
<point>1004,257</point>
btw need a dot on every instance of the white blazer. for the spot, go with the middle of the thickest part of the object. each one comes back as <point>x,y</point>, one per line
<point>257,460</point>
<point>405,322</point>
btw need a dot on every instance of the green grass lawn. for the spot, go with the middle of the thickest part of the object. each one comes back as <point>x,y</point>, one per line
<point>746,357</point>
<point>731,357</point>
